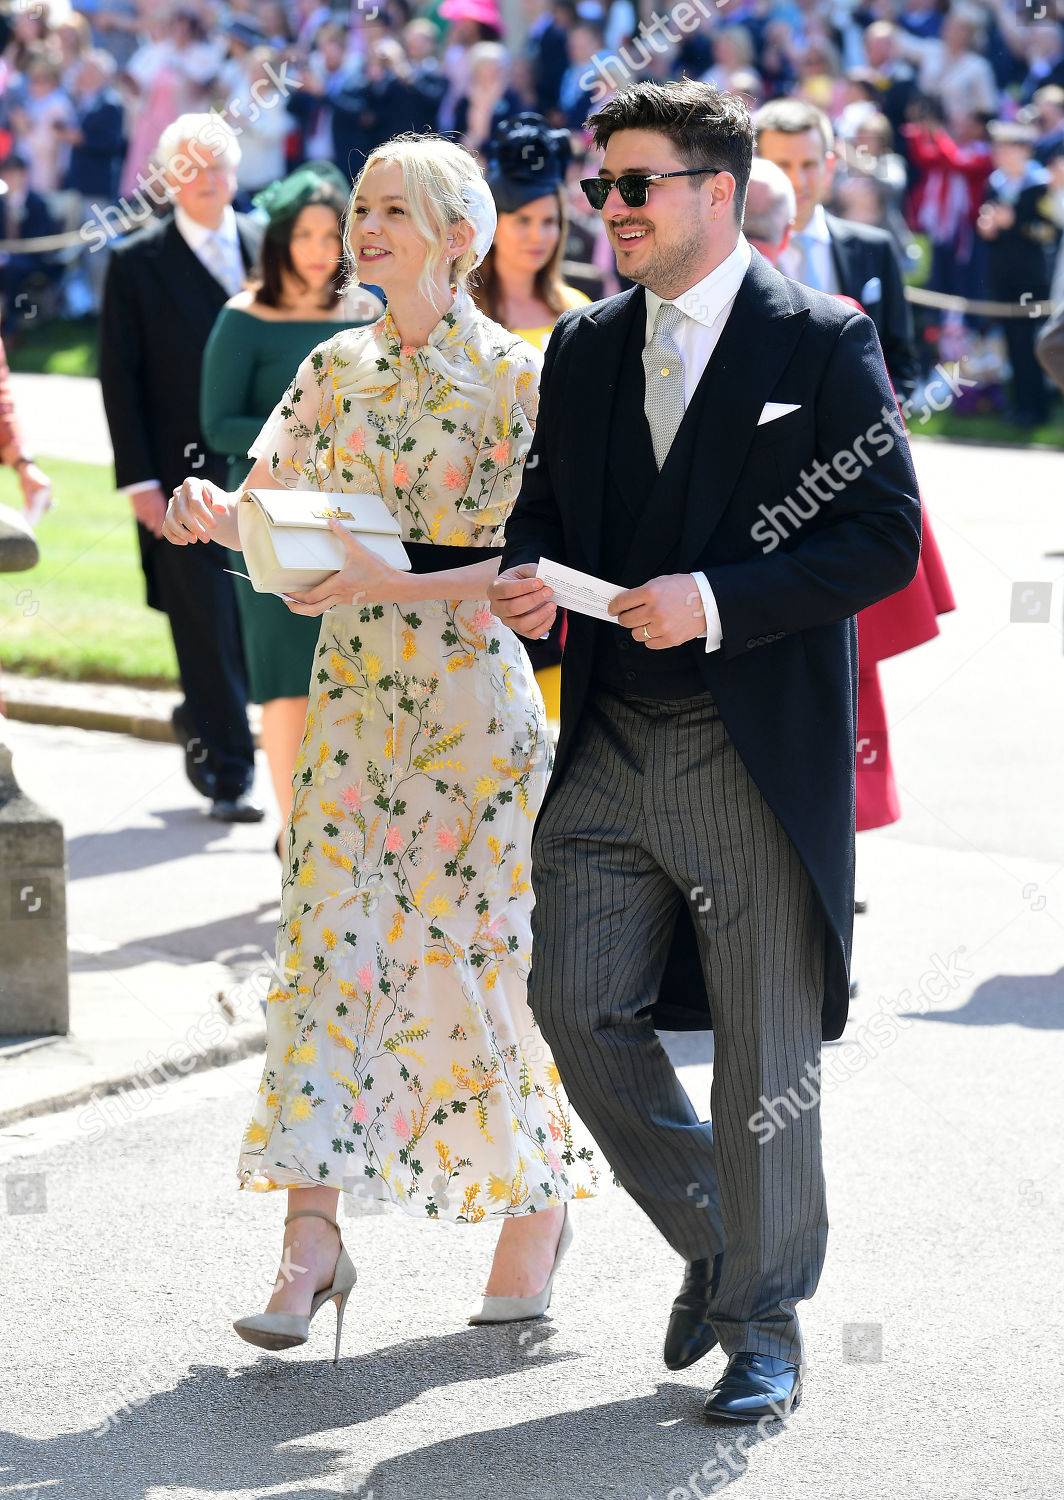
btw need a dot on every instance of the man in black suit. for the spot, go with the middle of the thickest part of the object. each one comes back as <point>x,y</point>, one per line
<point>719,442</point>
<point>165,286</point>
<point>832,254</point>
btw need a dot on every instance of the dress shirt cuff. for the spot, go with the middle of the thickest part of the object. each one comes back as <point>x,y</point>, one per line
<point>141,484</point>
<point>713,633</point>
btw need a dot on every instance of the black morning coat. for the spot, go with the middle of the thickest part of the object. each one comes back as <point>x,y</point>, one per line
<point>159,306</point>
<point>785,676</point>
<point>866,264</point>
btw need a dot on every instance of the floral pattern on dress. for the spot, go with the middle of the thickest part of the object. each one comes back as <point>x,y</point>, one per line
<point>402,1060</point>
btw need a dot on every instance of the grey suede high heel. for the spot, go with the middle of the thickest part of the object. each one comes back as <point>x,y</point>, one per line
<point>286,1330</point>
<point>516,1309</point>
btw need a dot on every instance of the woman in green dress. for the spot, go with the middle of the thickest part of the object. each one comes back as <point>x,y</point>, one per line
<point>261,335</point>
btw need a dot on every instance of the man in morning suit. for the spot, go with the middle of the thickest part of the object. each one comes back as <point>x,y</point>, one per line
<point>832,254</point>
<point>165,286</point>
<point>697,834</point>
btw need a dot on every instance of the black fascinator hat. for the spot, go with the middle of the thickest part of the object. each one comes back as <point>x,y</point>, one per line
<point>526,159</point>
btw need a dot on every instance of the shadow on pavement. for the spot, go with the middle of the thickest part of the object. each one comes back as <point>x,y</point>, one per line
<point>185,831</point>
<point>1034,1000</point>
<point>231,940</point>
<point>219,1431</point>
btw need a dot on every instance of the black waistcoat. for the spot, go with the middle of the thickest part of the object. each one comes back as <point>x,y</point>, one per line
<point>642,521</point>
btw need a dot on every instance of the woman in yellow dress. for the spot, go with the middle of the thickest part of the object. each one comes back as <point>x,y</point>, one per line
<point>520,284</point>
<point>402,1060</point>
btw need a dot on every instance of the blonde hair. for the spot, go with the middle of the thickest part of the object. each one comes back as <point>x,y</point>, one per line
<point>435,171</point>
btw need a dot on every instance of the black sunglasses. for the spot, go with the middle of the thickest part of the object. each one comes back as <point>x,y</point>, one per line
<point>632,186</point>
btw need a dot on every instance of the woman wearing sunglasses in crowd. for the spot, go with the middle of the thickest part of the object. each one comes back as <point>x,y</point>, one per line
<point>403,1062</point>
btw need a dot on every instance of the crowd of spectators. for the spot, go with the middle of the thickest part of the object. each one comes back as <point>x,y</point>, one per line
<point>948,117</point>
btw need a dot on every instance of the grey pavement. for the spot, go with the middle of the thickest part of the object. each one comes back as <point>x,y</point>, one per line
<point>935,1338</point>
<point>82,433</point>
<point>171,918</point>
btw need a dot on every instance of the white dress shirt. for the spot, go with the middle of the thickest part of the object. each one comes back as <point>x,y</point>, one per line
<point>817,235</point>
<point>195,237</point>
<point>706,307</point>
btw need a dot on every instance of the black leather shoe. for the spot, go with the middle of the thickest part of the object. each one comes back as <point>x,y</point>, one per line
<point>241,809</point>
<point>754,1386</point>
<point>690,1334</point>
<point>198,773</point>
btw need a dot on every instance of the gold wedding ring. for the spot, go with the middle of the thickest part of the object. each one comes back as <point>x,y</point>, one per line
<point>646,632</point>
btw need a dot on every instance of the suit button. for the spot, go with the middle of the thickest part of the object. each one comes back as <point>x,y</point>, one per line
<point>629,676</point>
<point>623,645</point>
<point>751,642</point>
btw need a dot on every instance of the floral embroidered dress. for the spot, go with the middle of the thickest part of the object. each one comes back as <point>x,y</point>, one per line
<point>402,1061</point>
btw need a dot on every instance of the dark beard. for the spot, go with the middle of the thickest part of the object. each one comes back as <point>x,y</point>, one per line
<point>666,266</point>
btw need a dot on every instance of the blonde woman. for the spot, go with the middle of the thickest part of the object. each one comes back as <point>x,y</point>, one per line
<point>402,1060</point>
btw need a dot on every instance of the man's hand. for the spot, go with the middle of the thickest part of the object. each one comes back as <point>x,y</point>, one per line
<point>664,612</point>
<point>149,507</point>
<point>523,601</point>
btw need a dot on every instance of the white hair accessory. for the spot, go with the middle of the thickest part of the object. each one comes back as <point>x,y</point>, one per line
<point>481,213</point>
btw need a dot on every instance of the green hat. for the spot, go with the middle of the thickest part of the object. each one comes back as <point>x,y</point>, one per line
<point>282,200</point>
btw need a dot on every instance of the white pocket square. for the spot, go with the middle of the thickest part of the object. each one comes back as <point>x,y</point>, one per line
<point>773,409</point>
<point>872,291</point>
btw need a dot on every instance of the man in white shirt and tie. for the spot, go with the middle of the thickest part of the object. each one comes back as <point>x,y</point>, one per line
<point>831,254</point>
<point>164,288</point>
<point>693,859</point>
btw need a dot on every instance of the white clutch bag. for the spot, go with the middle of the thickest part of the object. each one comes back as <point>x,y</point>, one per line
<point>288,544</point>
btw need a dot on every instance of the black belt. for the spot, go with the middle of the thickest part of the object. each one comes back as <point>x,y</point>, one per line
<point>431,557</point>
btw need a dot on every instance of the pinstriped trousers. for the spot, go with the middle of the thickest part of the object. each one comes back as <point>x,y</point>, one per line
<point>654,805</point>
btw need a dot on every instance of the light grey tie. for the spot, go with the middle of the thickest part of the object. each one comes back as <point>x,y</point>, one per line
<point>663,368</point>
<point>806,271</point>
<point>215,256</point>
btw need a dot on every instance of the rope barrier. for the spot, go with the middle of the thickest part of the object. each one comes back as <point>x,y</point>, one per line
<point>924,298</point>
<point>43,243</point>
<point>919,295</point>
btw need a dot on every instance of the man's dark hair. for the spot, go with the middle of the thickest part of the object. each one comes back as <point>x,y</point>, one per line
<point>793,117</point>
<point>706,126</point>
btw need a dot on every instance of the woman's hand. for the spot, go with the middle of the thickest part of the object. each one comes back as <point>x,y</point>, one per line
<point>36,490</point>
<point>194,512</point>
<point>363,579</point>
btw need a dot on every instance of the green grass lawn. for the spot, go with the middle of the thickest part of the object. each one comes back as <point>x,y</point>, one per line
<point>81,613</point>
<point>977,427</point>
<point>55,347</point>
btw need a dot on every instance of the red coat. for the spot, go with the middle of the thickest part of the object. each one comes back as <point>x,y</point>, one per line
<point>894,625</point>
<point>888,628</point>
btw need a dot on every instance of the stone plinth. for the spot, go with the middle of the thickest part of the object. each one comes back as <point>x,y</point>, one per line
<point>33,947</point>
<point>18,545</point>
<point>34,994</point>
